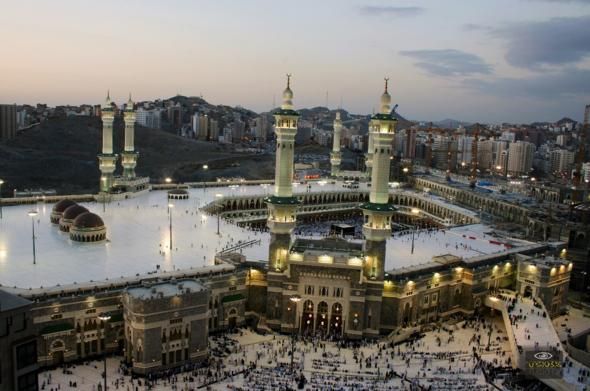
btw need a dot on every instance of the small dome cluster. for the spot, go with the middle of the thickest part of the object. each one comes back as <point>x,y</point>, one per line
<point>82,225</point>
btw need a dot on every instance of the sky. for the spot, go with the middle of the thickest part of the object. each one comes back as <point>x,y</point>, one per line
<point>490,61</point>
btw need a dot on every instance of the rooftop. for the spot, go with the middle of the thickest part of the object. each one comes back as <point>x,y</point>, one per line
<point>138,240</point>
<point>9,302</point>
<point>167,289</point>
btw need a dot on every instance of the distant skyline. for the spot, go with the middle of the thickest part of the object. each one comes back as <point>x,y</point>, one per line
<point>491,61</point>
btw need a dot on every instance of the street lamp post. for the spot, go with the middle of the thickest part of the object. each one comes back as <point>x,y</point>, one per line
<point>104,316</point>
<point>32,214</point>
<point>1,183</point>
<point>219,196</point>
<point>104,193</point>
<point>170,206</point>
<point>294,299</point>
<point>415,212</point>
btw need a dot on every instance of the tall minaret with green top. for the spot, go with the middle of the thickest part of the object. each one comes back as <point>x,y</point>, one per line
<point>335,155</point>
<point>378,211</point>
<point>107,160</point>
<point>282,206</point>
<point>129,155</point>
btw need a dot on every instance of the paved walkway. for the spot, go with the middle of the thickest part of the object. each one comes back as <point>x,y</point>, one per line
<point>533,331</point>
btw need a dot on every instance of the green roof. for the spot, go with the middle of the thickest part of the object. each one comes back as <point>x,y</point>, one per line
<point>386,117</point>
<point>56,328</point>
<point>282,200</point>
<point>236,297</point>
<point>287,112</point>
<point>378,207</point>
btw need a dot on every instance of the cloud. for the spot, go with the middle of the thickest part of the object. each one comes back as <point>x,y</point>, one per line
<point>568,83</point>
<point>555,42</point>
<point>448,62</point>
<point>564,1</point>
<point>391,11</point>
<point>475,27</point>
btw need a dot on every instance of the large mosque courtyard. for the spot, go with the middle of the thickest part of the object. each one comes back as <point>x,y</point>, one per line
<point>141,229</point>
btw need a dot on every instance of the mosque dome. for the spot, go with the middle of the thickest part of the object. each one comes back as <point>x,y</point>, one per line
<point>73,211</point>
<point>88,220</point>
<point>88,228</point>
<point>58,210</point>
<point>62,205</point>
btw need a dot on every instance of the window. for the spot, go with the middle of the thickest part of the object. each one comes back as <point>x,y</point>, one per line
<point>434,298</point>
<point>28,382</point>
<point>309,289</point>
<point>425,299</point>
<point>26,354</point>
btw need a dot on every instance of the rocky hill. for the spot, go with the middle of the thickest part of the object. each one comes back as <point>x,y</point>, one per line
<point>61,154</point>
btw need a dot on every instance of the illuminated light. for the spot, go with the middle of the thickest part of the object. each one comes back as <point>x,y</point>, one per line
<point>356,261</point>
<point>495,267</point>
<point>410,282</point>
<point>493,298</point>
<point>570,266</point>
<point>415,211</point>
<point>436,275</point>
<point>168,180</point>
<point>205,167</point>
<point>296,257</point>
<point>507,264</point>
<point>405,169</point>
<point>553,271</point>
<point>325,259</point>
<point>459,269</point>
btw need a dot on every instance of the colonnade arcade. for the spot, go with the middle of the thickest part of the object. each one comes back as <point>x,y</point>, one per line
<point>483,202</point>
<point>317,317</point>
<point>252,208</point>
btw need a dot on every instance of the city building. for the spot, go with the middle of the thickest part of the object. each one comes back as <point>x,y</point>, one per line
<point>18,350</point>
<point>168,325</point>
<point>561,160</point>
<point>149,118</point>
<point>7,121</point>
<point>520,158</point>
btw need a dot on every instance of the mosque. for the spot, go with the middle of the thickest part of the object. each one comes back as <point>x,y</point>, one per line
<point>324,286</point>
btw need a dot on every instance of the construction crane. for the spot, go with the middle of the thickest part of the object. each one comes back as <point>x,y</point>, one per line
<point>473,176</point>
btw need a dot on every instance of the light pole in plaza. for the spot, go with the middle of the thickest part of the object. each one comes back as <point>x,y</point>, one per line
<point>170,206</point>
<point>415,212</point>
<point>294,299</point>
<point>104,194</point>
<point>32,214</point>
<point>105,317</point>
<point>1,183</point>
<point>218,198</point>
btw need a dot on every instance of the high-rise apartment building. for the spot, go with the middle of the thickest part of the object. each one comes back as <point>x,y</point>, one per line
<point>7,121</point>
<point>561,160</point>
<point>520,158</point>
<point>149,118</point>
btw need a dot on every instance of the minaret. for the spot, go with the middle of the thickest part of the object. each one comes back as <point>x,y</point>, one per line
<point>282,205</point>
<point>378,211</point>
<point>335,156</point>
<point>107,159</point>
<point>129,156</point>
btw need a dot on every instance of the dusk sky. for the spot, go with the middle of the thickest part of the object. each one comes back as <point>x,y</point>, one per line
<point>492,61</point>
